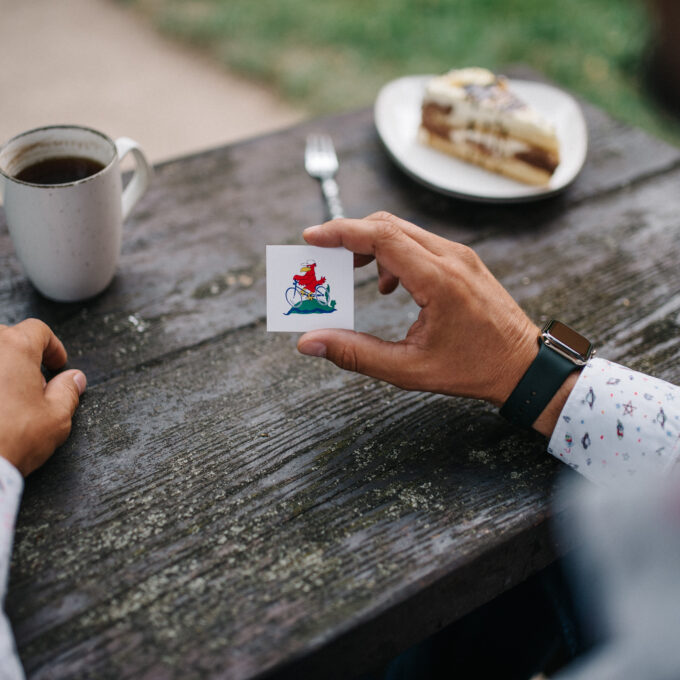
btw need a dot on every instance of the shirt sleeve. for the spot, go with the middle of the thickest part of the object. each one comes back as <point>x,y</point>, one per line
<point>618,423</point>
<point>11,486</point>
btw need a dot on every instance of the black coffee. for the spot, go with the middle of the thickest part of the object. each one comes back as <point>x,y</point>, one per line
<point>61,170</point>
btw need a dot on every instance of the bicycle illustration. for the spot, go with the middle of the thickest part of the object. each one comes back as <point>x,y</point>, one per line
<point>307,294</point>
<point>297,294</point>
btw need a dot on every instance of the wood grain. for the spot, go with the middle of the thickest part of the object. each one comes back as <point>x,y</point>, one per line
<point>227,508</point>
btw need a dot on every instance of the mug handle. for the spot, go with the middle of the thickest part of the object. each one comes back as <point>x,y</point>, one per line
<point>140,180</point>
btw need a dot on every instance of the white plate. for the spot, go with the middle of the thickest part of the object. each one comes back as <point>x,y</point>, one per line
<point>397,116</point>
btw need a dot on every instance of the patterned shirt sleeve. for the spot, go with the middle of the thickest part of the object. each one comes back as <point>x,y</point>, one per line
<point>11,486</point>
<point>618,423</point>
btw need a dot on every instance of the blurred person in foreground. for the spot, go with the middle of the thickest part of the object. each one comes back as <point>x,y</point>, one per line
<point>626,578</point>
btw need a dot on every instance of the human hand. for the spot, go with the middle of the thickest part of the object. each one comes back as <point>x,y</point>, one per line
<point>35,415</point>
<point>470,339</point>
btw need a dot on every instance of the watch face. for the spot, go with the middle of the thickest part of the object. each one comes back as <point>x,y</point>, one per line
<point>561,337</point>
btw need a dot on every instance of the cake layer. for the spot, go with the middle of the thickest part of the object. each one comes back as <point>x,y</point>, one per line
<point>487,140</point>
<point>515,166</point>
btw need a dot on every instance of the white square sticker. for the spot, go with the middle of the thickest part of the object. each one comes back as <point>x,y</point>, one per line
<point>309,288</point>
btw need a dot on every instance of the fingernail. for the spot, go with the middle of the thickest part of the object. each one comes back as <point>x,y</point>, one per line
<point>313,349</point>
<point>311,230</point>
<point>81,381</point>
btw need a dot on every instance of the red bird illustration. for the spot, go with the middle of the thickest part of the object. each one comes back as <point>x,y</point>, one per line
<point>308,280</point>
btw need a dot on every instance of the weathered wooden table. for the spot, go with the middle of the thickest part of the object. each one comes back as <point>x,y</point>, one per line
<point>227,508</point>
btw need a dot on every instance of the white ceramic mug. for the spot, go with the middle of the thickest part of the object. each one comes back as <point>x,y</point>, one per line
<point>68,235</point>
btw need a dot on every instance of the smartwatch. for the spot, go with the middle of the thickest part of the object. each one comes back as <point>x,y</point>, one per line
<point>561,350</point>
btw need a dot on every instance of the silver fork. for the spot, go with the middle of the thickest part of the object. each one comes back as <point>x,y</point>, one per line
<point>321,163</point>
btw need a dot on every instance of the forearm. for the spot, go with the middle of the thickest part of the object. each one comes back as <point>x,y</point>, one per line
<point>11,486</point>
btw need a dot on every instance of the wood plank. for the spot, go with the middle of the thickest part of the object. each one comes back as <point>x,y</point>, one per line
<point>191,528</point>
<point>193,259</point>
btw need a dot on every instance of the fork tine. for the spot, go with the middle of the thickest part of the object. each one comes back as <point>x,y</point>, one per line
<point>313,146</point>
<point>315,142</point>
<point>327,144</point>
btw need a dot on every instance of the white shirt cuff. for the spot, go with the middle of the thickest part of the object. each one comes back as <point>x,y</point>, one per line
<point>11,487</point>
<point>618,423</point>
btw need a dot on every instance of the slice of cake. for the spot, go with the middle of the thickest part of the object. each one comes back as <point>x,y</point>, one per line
<point>470,113</point>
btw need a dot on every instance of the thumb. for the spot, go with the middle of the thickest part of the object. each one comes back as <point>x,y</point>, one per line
<point>394,362</point>
<point>64,390</point>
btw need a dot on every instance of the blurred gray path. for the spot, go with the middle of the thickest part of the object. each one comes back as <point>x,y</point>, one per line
<point>97,63</point>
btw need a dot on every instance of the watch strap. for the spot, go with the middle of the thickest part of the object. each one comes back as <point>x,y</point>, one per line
<point>537,387</point>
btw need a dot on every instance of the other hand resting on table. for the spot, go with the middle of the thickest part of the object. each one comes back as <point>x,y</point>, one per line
<point>35,415</point>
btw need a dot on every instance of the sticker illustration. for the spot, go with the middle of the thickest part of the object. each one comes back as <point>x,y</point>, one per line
<point>309,295</point>
<point>308,288</point>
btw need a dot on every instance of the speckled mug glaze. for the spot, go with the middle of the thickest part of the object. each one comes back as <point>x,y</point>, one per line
<point>68,236</point>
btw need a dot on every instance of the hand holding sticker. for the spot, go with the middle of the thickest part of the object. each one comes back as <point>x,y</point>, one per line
<point>309,288</point>
<point>470,338</point>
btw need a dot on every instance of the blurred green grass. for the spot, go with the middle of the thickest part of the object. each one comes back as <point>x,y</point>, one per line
<point>334,55</point>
